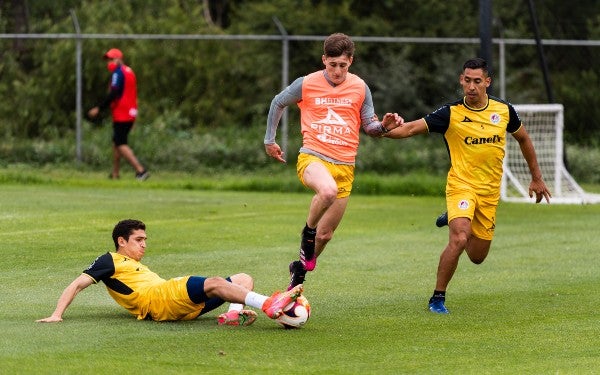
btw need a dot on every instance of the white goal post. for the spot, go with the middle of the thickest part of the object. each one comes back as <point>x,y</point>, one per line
<point>544,123</point>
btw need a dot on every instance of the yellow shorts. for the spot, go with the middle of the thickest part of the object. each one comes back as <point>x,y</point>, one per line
<point>170,301</point>
<point>341,173</point>
<point>481,210</point>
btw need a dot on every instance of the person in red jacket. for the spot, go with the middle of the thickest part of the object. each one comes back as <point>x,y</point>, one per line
<point>122,99</point>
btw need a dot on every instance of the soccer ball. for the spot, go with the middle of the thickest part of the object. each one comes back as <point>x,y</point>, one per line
<point>295,314</point>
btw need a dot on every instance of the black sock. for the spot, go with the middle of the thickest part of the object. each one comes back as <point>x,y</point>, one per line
<point>310,231</point>
<point>439,294</point>
<point>308,241</point>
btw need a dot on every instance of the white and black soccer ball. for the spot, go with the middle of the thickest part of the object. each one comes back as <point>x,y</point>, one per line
<point>295,314</point>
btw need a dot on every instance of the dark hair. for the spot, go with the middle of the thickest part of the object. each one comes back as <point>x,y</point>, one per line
<point>338,44</point>
<point>476,63</point>
<point>124,228</point>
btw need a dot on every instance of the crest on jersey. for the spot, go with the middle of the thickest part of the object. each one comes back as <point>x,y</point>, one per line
<point>495,118</point>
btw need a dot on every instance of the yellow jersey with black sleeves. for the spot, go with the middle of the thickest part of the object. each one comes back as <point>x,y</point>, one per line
<point>142,292</point>
<point>476,139</point>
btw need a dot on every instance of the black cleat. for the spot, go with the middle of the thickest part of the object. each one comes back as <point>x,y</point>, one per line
<point>442,220</point>
<point>142,176</point>
<point>297,274</point>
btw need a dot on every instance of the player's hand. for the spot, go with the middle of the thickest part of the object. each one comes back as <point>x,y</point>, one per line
<point>274,151</point>
<point>541,191</point>
<point>50,319</point>
<point>391,121</point>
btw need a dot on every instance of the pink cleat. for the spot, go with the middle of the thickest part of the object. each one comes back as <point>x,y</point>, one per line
<point>274,305</point>
<point>309,265</point>
<point>237,318</point>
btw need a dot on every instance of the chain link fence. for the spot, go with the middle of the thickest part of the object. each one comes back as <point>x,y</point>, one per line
<point>507,55</point>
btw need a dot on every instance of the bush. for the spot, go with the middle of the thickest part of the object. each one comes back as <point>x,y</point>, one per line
<point>168,144</point>
<point>583,164</point>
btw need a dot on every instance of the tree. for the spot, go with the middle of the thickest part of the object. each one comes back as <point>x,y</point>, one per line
<point>204,84</point>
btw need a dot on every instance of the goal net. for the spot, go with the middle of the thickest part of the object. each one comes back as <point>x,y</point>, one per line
<point>544,123</point>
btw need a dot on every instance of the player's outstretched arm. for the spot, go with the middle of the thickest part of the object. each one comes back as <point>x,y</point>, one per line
<point>67,296</point>
<point>407,129</point>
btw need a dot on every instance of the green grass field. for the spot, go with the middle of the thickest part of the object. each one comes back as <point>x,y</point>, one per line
<point>530,308</point>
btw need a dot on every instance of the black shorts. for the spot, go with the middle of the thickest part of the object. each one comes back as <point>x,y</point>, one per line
<point>120,132</point>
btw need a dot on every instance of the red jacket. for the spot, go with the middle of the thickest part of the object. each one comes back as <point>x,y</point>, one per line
<point>124,106</point>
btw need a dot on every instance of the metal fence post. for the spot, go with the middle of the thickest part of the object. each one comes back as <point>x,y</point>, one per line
<point>285,61</point>
<point>78,42</point>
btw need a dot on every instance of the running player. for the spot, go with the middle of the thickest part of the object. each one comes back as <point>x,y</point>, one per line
<point>474,130</point>
<point>334,104</point>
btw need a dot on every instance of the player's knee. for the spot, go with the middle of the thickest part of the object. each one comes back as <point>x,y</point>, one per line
<point>328,195</point>
<point>244,280</point>
<point>212,284</point>
<point>458,242</point>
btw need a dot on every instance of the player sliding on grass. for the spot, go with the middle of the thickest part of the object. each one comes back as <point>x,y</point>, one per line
<point>147,296</point>
<point>334,104</point>
<point>474,130</point>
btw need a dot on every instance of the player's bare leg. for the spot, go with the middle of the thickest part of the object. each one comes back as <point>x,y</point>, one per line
<point>329,223</point>
<point>116,162</point>
<point>477,249</point>
<point>126,152</point>
<point>459,233</point>
<point>325,229</point>
<point>317,177</point>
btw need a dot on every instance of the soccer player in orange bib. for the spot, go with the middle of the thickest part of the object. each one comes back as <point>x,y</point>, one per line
<point>474,129</point>
<point>334,105</point>
<point>148,296</point>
